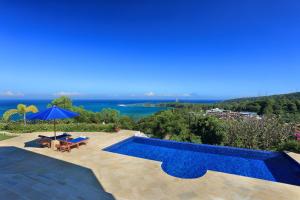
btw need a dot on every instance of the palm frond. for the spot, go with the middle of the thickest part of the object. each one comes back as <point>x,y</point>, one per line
<point>21,108</point>
<point>32,108</point>
<point>8,114</point>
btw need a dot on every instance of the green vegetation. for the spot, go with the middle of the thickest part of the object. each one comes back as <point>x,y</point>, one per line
<point>211,130</point>
<point>21,110</point>
<point>188,122</point>
<point>285,106</point>
<point>107,120</point>
<point>269,133</point>
<point>62,126</point>
<point>275,131</point>
<point>290,145</point>
<point>4,137</point>
<point>164,124</point>
<point>62,102</point>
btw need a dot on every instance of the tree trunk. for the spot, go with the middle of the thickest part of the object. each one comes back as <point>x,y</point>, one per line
<point>24,118</point>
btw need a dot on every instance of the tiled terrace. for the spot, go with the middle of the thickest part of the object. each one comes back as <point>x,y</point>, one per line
<point>29,172</point>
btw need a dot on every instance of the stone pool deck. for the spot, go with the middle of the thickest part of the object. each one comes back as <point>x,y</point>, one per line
<point>29,172</point>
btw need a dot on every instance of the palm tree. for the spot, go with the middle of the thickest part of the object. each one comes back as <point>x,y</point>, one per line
<point>21,110</point>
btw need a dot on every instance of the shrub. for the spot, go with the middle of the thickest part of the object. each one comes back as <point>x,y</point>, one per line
<point>108,115</point>
<point>210,129</point>
<point>3,125</point>
<point>266,133</point>
<point>187,137</point>
<point>290,145</point>
<point>63,102</point>
<point>126,122</point>
<point>163,124</point>
<point>72,127</point>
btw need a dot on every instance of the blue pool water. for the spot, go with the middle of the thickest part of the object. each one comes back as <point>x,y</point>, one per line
<point>186,160</point>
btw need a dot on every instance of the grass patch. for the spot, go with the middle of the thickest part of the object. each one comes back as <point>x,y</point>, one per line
<point>4,137</point>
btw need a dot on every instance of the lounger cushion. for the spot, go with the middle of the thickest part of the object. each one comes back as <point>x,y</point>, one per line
<point>64,135</point>
<point>76,140</point>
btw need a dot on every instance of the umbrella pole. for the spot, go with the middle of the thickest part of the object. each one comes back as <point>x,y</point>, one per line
<point>54,130</point>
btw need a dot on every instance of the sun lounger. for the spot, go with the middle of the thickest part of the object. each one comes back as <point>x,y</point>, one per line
<point>45,141</point>
<point>64,135</point>
<point>66,144</point>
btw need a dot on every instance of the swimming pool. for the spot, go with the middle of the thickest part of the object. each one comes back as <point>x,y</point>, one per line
<point>187,160</point>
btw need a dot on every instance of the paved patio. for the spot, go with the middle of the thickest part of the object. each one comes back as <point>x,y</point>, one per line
<point>29,172</point>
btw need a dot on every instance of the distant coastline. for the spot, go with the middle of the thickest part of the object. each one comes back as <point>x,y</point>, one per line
<point>133,108</point>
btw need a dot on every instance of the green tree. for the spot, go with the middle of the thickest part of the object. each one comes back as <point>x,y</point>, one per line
<point>126,123</point>
<point>210,129</point>
<point>21,110</point>
<point>164,124</point>
<point>62,102</point>
<point>109,115</point>
<point>297,102</point>
<point>253,107</point>
<point>292,107</point>
<point>84,115</point>
<point>267,107</point>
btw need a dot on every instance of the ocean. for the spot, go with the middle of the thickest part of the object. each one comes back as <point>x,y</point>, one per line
<point>133,108</point>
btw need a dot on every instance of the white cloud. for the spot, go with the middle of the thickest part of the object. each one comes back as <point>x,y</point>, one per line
<point>187,95</point>
<point>69,94</point>
<point>171,95</point>
<point>11,94</point>
<point>150,94</point>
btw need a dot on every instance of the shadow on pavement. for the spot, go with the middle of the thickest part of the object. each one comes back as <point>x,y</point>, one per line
<point>25,174</point>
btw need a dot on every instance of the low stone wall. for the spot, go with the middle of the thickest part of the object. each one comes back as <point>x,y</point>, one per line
<point>9,134</point>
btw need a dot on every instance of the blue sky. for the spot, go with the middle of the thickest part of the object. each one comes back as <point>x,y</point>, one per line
<point>149,48</point>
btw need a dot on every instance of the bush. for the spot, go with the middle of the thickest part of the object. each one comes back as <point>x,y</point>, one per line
<point>108,115</point>
<point>187,137</point>
<point>3,125</point>
<point>210,129</point>
<point>72,127</point>
<point>126,122</point>
<point>164,124</point>
<point>266,133</point>
<point>63,102</point>
<point>290,145</point>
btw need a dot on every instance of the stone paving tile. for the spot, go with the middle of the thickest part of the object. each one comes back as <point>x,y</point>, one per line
<point>188,195</point>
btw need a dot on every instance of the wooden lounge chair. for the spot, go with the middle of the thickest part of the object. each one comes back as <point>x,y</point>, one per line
<point>45,141</point>
<point>68,144</point>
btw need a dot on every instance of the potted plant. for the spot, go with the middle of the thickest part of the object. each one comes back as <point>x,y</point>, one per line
<point>117,126</point>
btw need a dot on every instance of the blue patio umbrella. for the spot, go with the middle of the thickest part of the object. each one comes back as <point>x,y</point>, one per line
<point>53,113</point>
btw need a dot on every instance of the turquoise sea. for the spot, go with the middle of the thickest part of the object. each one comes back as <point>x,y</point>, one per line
<point>133,108</point>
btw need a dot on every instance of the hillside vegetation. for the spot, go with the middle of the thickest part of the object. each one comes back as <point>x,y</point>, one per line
<point>287,106</point>
<point>284,106</point>
<point>188,122</point>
